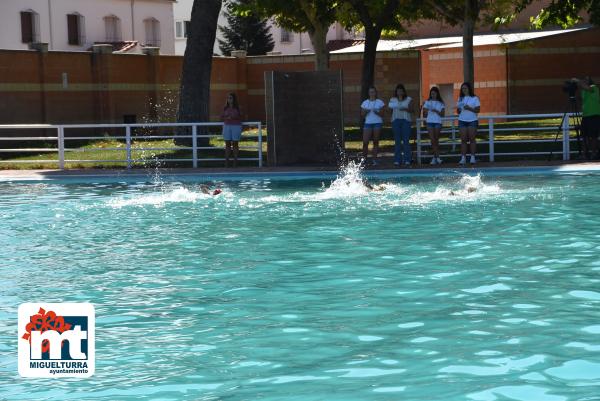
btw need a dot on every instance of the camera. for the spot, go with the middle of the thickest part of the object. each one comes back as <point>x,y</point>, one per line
<point>570,87</point>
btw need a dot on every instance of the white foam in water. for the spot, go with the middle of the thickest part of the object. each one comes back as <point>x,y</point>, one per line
<point>467,188</point>
<point>158,199</point>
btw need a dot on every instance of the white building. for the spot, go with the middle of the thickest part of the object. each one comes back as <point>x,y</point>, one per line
<point>76,25</point>
<point>285,42</point>
<point>182,11</point>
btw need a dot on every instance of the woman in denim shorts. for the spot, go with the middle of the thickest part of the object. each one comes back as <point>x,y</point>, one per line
<point>232,128</point>
<point>468,106</point>
<point>433,111</point>
<point>372,111</point>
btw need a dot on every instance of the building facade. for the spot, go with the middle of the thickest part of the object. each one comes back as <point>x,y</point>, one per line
<point>182,12</point>
<point>286,42</point>
<point>76,25</point>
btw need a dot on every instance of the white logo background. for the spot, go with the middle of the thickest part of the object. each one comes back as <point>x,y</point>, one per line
<point>61,309</point>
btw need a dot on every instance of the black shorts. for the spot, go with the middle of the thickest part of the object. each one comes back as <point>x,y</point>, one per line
<point>590,126</point>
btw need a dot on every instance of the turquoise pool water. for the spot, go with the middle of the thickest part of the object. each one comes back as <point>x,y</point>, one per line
<point>313,289</point>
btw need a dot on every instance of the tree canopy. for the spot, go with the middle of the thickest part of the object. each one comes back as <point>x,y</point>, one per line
<point>563,13</point>
<point>374,17</point>
<point>311,16</point>
<point>246,32</point>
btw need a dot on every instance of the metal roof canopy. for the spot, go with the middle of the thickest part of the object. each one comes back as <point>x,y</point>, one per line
<point>455,41</point>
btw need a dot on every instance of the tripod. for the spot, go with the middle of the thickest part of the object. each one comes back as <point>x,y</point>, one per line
<point>573,109</point>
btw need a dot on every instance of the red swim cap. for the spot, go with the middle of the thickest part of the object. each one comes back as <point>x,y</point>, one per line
<point>217,191</point>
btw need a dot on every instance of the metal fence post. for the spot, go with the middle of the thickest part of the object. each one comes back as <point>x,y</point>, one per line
<point>260,152</point>
<point>418,141</point>
<point>61,147</point>
<point>566,138</point>
<point>128,145</point>
<point>195,146</point>
<point>491,138</point>
<point>453,135</point>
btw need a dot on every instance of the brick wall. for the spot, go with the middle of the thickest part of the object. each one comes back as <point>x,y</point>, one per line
<point>391,68</point>
<point>537,69</point>
<point>445,66</point>
<point>84,87</point>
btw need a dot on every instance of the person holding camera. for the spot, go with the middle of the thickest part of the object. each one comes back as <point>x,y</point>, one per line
<point>590,120</point>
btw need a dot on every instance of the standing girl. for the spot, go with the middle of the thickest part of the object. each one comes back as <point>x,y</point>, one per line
<point>467,106</point>
<point>232,128</point>
<point>434,110</point>
<point>372,110</point>
<point>402,108</point>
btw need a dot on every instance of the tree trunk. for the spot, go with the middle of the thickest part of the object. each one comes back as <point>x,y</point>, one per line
<point>194,96</point>
<point>318,38</point>
<point>471,13</point>
<point>372,36</point>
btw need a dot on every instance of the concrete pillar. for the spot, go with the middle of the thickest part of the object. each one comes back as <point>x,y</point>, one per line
<point>104,108</point>
<point>42,49</point>
<point>241,71</point>
<point>153,81</point>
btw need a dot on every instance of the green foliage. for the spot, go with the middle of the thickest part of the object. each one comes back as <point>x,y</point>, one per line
<point>245,31</point>
<point>566,13</point>
<point>562,13</point>
<point>294,15</point>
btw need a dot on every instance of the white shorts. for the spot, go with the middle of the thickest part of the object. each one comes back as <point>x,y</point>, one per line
<point>232,132</point>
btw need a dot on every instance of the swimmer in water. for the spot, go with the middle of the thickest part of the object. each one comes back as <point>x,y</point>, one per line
<point>206,190</point>
<point>371,187</point>
<point>470,189</point>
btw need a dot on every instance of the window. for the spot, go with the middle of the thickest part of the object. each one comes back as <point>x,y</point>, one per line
<point>152,32</point>
<point>76,29</point>
<point>112,24</point>
<point>182,29</point>
<point>286,36</point>
<point>30,27</point>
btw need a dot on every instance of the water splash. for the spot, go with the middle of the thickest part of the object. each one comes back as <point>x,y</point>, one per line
<point>165,196</point>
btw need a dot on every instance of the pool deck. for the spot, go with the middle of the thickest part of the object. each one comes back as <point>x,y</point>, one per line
<point>387,170</point>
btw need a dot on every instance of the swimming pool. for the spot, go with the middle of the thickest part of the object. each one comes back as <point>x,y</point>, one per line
<point>309,289</point>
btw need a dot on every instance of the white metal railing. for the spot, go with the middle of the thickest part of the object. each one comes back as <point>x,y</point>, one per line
<point>564,132</point>
<point>131,142</point>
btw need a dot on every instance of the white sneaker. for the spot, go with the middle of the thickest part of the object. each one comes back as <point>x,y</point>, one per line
<point>472,161</point>
<point>462,161</point>
<point>439,161</point>
<point>433,161</point>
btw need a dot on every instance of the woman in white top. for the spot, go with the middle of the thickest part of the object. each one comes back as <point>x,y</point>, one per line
<point>372,112</point>
<point>433,111</point>
<point>468,106</point>
<point>402,109</point>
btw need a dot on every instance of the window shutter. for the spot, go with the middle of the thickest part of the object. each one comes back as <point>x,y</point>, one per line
<point>26,27</point>
<point>73,29</point>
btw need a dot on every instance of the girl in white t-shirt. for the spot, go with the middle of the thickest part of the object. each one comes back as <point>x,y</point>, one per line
<point>468,106</point>
<point>433,111</point>
<point>372,111</point>
<point>402,109</point>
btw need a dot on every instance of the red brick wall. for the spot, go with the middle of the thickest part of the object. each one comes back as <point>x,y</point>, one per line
<point>391,68</point>
<point>537,69</point>
<point>519,78</point>
<point>445,66</point>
